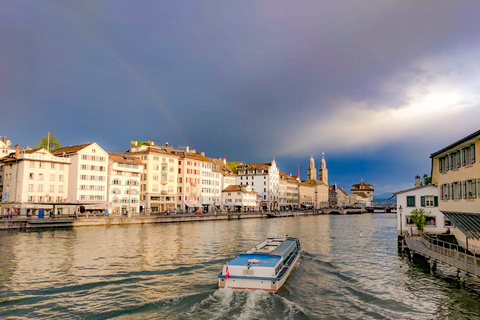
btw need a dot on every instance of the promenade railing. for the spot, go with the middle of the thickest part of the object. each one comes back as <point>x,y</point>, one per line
<point>446,252</point>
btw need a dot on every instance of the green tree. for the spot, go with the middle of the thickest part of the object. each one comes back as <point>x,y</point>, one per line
<point>427,179</point>
<point>419,219</point>
<point>233,166</point>
<point>54,143</point>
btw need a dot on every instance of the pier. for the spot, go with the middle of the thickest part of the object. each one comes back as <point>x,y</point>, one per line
<point>438,251</point>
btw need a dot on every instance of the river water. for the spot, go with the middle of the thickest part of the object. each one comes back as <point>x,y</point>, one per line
<point>168,271</point>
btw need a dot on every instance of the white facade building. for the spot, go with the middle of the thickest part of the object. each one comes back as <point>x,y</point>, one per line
<point>240,198</point>
<point>211,192</point>
<point>35,178</point>
<point>264,178</point>
<point>124,174</point>
<point>87,175</point>
<point>420,197</point>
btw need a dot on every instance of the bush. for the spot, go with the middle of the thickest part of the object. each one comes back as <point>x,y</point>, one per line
<point>419,219</point>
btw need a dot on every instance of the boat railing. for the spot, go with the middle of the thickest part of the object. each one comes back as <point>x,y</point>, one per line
<point>287,263</point>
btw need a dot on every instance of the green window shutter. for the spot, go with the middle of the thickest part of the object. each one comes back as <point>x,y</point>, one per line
<point>422,201</point>
<point>435,199</point>
<point>464,154</point>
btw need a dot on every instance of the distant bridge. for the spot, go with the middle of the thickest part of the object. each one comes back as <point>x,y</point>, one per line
<point>343,211</point>
<point>384,208</point>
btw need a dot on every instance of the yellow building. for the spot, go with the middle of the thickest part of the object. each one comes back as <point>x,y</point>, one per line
<point>306,193</point>
<point>158,185</point>
<point>456,172</point>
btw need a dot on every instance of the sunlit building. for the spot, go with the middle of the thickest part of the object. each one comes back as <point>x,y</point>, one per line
<point>158,182</point>
<point>264,179</point>
<point>240,198</point>
<point>34,178</point>
<point>87,181</point>
<point>124,173</point>
<point>456,172</point>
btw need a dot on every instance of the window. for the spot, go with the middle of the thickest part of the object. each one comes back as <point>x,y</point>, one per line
<point>32,164</point>
<point>410,201</point>
<point>31,198</point>
<point>448,223</point>
<point>457,156</point>
<point>40,188</point>
<point>62,166</point>
<point>30,176</point>
<point>431,221</point>
<point>60,188</point>
<point>52,177</point>
<point>60,177</point>
<point>30,187</point>
<point>40,176</point>
<point>472,189</point>
<point>52,165</point>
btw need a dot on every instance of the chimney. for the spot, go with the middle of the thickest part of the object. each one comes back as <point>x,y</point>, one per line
<point>187,149</point>
<point>166,144</point>
<point>152,143</point>
<point>417,181</point>
<point>224,160</point>
<point>135,143</point>
<point>5,140</point>
<point>17,151</point>
<point>202,153</point>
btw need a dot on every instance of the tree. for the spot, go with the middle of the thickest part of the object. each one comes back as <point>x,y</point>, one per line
<point>54,143</point>
<point>233,166</point>
<point>418,218</point>
<point>427,179</point>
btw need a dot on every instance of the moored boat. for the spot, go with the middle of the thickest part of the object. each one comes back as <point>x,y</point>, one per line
<point>264,267</point>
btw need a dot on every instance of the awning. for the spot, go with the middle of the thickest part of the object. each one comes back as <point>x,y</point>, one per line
<point>192,204</point>
<point>468,223</point>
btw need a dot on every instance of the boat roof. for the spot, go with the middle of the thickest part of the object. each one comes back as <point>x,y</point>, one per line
<point>281,249</point>
<point>266,260</point>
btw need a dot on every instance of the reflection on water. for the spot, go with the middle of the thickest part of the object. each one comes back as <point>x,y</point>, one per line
<point>168,271</point>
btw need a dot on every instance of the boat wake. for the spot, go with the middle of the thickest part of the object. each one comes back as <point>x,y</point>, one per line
<point>244,304</point>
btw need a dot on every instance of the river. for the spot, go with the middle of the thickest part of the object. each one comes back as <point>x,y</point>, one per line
<point>168,271</point>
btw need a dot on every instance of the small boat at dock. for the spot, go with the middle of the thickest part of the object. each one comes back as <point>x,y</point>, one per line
<point>264,267</point>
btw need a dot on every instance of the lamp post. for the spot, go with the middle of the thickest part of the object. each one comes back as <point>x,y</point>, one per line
<point>400,210</point>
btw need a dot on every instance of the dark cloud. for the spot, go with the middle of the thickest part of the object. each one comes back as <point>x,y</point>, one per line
<point>231,78</point>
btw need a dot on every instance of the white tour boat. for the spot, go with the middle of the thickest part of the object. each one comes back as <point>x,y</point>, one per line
<point>264,267</point>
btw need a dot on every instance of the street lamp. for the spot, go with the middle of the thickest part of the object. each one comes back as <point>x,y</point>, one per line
<point>400,210</point>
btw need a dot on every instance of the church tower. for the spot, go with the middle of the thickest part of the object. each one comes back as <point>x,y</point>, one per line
<point>323,172</point>
<point>312,171</point>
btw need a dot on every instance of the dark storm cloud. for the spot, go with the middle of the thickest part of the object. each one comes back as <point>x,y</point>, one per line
<point>247,79</point>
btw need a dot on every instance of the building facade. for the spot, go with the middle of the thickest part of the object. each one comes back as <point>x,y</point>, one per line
<point>264,179</point>
<point>159,178</point>
<point>362,189</point>
<point>456,172</point>
<point>34,179</point>
<point>88,174</point>
<point>240,198</point>
<point>124,173</point>
<point>420,197</point>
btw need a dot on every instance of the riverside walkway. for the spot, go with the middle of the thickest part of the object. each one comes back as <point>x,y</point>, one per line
<point>437,251</point>
<point>21,222</point>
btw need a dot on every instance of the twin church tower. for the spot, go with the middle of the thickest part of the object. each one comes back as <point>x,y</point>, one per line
<point>322,173</point>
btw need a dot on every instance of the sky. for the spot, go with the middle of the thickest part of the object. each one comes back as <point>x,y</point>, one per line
<point>375,85</point>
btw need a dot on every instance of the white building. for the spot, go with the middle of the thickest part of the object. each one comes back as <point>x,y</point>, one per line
<point>5,147</point>
<point>35,179</point>
<point>124,174</point>
<point>87,174</point>
<point>211,192</point>
<point>227,178</point>
<point>420,197</point>
<point>240,198</point>
<point>264,178</point>
<point>5,150</point>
